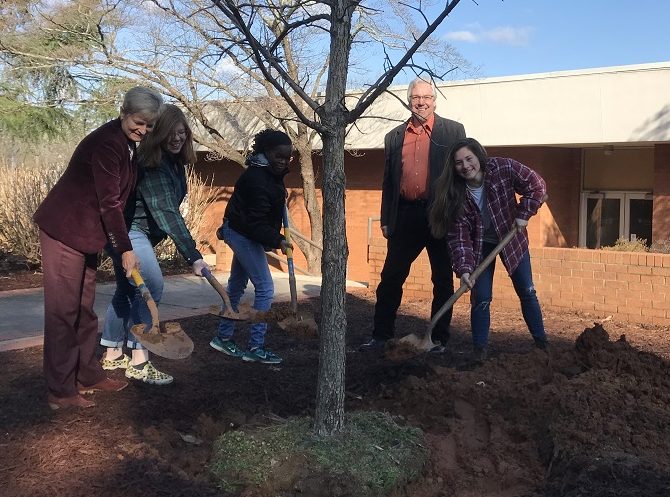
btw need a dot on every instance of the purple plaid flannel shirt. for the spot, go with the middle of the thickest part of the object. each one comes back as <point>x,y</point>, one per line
<point>502,179</point>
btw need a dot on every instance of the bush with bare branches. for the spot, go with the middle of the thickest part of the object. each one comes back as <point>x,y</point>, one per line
<point>22,189</point>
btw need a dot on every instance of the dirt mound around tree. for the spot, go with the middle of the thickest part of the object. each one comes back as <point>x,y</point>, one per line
<point>593,420</point>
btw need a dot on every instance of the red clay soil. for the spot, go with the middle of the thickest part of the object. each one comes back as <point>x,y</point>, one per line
<point>590,419</point>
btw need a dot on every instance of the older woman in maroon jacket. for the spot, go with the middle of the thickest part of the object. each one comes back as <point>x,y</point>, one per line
<point>81,214</point>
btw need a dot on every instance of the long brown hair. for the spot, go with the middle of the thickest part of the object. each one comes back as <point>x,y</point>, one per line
<point>450,188</point>
<point>152,148</point>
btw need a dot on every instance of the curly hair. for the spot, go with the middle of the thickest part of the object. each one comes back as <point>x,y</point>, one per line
<point>269,139</point>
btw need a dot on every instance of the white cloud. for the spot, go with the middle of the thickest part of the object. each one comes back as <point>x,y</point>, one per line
<point>506,35</point>
<point>467,36</point>
<point>502,35</point>
<point>226,67</point>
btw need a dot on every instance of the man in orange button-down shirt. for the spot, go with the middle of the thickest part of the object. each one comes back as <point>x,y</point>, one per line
<point>415,155</point>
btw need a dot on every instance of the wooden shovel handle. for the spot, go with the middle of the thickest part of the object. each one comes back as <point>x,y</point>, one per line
<point>291,267</point>
<point>146,295</point>
<point>475,274</point>
<point>218,287</point>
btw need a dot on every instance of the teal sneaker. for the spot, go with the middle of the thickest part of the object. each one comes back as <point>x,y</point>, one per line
<point>261,355</point>
<point>228,347</point>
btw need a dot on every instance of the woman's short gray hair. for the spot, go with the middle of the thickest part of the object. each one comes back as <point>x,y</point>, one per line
<point>142,100</point>
<point>415,82</point>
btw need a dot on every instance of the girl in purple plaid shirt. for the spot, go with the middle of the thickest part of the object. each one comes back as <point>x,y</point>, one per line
<point>475,207</point>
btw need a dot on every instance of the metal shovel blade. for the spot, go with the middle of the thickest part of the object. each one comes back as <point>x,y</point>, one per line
<point>171,342</point>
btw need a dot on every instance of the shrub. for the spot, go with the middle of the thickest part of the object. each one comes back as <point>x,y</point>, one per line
<point>623,245</point>
<point>22,189</point>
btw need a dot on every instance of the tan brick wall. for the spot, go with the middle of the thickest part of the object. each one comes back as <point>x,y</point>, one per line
<point>632,287</point>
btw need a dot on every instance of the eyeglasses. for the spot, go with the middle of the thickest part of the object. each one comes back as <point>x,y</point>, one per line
<point>422,98</point>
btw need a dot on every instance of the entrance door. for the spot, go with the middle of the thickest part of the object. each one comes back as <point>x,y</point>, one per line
<point>609,216</point>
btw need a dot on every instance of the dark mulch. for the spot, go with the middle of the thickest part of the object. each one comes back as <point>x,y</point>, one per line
<point>588,420</point>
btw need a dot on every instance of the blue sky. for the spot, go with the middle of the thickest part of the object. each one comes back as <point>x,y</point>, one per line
<point>513,37</point>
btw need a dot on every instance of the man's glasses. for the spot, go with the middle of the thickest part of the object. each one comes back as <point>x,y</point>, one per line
<point>422,98</point>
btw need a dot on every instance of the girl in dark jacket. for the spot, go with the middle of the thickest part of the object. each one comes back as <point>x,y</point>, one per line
<point>251,225</point>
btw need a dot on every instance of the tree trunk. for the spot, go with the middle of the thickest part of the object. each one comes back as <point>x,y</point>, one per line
<point>329,416</point>
<point>313,255</point>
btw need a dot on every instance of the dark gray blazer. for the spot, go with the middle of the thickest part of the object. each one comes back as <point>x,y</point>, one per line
<point>445,133</point>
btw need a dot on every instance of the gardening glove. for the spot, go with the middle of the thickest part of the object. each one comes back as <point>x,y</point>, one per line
<point>385,231</point>
<point>129,261</point>
<point>198,267</point>
<point>284,246</point>
<point>465,280</point>
<point>520,224</point>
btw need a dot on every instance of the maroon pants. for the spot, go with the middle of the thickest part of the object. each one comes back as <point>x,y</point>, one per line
<point>70,324</point>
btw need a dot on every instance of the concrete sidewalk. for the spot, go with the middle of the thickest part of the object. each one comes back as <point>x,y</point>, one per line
<point>22,311</point>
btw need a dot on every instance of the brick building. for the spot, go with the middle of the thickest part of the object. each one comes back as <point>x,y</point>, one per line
<point>599,137</point>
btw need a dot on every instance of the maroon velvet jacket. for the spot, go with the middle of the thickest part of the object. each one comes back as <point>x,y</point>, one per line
<point>84,210</point>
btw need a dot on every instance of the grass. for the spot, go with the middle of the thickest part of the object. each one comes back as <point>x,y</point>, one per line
<point>373,451</point>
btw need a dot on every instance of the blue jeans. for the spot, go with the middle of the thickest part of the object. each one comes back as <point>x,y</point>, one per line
<point>482,294</point>
<point>128,307</point>
<point>249,263</point>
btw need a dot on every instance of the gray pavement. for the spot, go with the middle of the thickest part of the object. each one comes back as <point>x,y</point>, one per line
<point>22,311</point>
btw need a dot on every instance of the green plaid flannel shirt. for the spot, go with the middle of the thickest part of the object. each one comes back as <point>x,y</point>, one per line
<point>160,191</point>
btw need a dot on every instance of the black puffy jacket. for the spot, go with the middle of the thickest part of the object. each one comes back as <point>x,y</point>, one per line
<point>256,207</point>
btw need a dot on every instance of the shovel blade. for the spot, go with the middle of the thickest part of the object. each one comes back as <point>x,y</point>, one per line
<point>408,347</point>
<point>171,342</point>
<point>304,326</point>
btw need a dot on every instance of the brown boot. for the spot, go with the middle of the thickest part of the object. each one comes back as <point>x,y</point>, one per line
<point>65,402</point>
<point>104,385</point>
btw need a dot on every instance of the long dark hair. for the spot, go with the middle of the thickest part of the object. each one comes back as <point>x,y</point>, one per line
<point>152,148</point>
<point>450,188</point>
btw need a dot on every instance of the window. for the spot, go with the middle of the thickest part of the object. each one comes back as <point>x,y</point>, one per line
<point>607,216</point>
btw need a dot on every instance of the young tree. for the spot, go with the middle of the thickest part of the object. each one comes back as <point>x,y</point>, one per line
<point>263,61</point>
<point>330,116</point>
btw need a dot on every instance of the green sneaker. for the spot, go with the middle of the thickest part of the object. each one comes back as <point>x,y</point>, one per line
<point>261,355</point>
<point>228,347</point>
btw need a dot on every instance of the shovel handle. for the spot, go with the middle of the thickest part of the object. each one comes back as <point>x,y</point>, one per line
<point>146,295</point>
<point>475,274</point>
<point>218,287</point>
<point>144,291</point>
<point>291,267</point>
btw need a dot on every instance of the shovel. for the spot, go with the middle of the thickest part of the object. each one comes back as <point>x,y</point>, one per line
<point>302,324</point>
<point>226,311</point>
<point>171,341</point>
<point>425,343</point>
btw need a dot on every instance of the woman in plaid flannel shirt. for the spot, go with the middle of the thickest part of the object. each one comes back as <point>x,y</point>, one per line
<point>476,206</point>
<point>153,216</point>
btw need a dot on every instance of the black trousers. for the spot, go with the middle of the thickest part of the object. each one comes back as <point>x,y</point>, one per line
<point>410,237</point>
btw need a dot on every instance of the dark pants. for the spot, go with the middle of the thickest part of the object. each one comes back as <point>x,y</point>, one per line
<point>70,324</point>
<point>410,237</point>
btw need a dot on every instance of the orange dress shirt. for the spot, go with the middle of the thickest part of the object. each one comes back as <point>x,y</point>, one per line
<point>415,160</point>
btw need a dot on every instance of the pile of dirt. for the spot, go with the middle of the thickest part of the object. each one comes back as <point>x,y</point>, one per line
<point>590,419</point>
